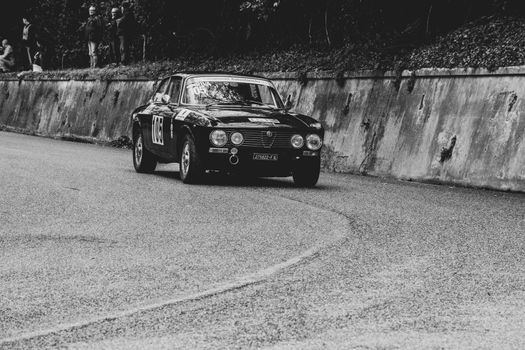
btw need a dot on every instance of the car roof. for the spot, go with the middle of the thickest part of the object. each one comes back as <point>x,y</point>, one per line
<point>218,75</point>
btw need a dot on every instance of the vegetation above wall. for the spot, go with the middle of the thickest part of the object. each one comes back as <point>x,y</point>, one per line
<point>489,42</point>
<point>292,36</point>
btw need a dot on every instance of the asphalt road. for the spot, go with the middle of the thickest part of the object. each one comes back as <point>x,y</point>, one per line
<point>94,255</point>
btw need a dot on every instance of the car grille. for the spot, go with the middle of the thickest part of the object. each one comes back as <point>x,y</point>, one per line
<point>260,138</point>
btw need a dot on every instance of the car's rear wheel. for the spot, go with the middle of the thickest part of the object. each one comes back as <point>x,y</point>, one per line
<point>191,167</point>
<point>143,160</point>
<point>306,172</point>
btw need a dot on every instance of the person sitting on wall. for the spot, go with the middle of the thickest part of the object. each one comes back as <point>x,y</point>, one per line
<point>7,58</point>
<point>38,58</point>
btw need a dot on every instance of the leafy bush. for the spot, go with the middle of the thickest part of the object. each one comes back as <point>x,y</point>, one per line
<point>298,35</point>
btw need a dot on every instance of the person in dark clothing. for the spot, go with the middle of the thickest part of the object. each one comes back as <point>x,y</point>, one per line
<point>40,57</point>
<point>45,48</point>
<point>114,42</point>
<point>126,30</point>
<point>29,40</point>
<point>93,30</point>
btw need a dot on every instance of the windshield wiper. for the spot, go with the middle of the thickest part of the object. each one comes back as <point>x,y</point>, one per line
<point>254,102</point>
<point>236,103</point>
<point>224,103</point>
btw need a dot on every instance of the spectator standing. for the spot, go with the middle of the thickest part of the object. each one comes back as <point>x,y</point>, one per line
<point>29,39</point>
<point>7,58</point>
<point>126,29</point>
<point>93,30</point>
<point>114,42</point>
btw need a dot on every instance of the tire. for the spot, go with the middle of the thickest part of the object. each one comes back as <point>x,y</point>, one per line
<point>191,167</point>
<point>306,173</point>
<point>143,160</point>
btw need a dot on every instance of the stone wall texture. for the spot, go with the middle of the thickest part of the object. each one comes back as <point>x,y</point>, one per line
<point>463,127</point>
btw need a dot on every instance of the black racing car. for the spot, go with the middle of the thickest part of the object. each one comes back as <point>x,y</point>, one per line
<point>225,123</point>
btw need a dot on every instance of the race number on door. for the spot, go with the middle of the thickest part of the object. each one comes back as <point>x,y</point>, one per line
<point>157,130</point>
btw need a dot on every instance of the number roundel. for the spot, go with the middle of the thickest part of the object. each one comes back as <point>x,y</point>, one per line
<point>157,130</point>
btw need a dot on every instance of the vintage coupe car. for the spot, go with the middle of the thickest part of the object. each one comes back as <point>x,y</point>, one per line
<point>225,123</point>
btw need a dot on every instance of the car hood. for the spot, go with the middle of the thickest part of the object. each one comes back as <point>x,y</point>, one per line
<point>255,117</point>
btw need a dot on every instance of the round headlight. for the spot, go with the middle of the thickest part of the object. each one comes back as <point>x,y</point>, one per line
<point>314,142</point>
<point>237,138</point>
<point>218,138</point>
<point>297,141</point>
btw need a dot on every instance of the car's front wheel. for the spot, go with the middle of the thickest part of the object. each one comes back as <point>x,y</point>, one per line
<point>306,172</point>
<point>191,168</point>
<point>143,160</point>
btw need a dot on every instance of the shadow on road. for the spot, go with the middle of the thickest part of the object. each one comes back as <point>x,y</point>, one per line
<point>223,180</point>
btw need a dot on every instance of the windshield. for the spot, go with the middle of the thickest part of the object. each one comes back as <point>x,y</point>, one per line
<point>243,92</point>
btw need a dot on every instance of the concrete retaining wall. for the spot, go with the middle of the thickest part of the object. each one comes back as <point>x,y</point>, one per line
<point>92,109</point>
<point>450,126</point>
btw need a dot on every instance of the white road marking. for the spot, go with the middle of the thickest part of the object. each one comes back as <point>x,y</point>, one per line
<point>241,282</point>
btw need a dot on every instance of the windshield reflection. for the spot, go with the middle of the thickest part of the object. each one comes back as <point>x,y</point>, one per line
<point>242,93</point>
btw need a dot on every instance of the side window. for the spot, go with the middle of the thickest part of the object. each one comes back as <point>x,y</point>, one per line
<point>161,90</point>
<point>174,89</point>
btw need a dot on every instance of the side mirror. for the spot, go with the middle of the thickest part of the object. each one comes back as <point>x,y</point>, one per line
<point>288,103</point>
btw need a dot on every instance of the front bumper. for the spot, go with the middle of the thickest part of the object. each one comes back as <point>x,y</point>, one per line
<point>242,161</point>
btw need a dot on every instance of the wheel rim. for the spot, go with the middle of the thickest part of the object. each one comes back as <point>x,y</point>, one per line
<point>186,159</point>
<point>138,150</point>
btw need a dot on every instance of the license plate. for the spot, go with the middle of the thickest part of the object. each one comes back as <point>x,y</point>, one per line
<point>265,156</point>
